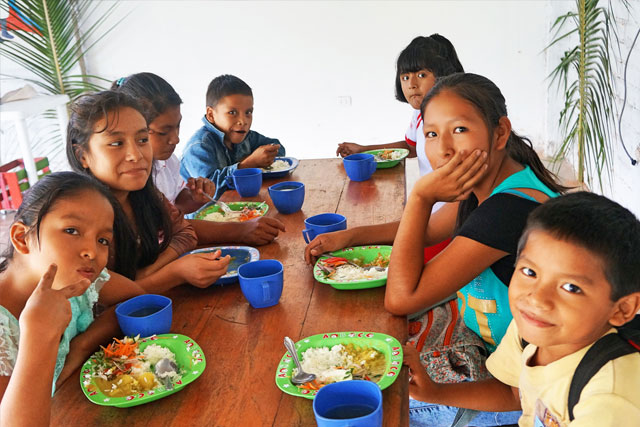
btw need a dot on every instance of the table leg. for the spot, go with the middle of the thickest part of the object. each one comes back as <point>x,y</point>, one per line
<point>27,157</point>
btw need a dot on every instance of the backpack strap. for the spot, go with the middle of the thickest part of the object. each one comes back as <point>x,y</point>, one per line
<point>606,349</point>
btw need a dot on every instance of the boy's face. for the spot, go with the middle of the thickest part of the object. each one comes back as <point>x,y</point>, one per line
<point>232,115</point>
<point>559,296</point>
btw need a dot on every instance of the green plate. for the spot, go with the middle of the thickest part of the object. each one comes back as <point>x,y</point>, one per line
<point>385,344</point>
<point>234,206</point>
<point>190,360</point>
<point>384,164</point>
<point>365,253</point>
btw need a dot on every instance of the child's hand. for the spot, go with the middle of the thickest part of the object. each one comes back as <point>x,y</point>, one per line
<point>199,187</point>
<point>202,270</point>
<point>48,310</point>
<point>455,180</point>
<point>347,148</point>
<point>262,157</point>
<point>421,387</point>
<point>260,231</point>
<point>326,242</point>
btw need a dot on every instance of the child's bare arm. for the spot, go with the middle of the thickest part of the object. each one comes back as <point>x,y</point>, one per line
<point>192,197</point>
<point>28,385</point>
<point>42,321</point>
<point>347,148</point>
<point>489,395</point>
<point>258,231</point>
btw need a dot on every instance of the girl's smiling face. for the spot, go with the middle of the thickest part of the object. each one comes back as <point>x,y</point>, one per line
<point>452,124</point>
<point>120,156</point>
<point>163,133</point>
<point>416,85</point>
<point>75,234</point>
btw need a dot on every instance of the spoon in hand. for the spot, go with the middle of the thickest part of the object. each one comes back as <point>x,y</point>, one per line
<point>301,377</point>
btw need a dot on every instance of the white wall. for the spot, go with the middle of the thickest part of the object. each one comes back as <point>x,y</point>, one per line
<point>299,57</point>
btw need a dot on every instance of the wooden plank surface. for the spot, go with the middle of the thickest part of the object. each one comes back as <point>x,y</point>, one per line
<point>243,345</point>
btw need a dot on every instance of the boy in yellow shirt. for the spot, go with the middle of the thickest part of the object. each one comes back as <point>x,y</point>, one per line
<point>577,277</point>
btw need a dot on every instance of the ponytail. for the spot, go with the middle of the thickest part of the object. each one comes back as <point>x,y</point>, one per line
<point>521,150</point>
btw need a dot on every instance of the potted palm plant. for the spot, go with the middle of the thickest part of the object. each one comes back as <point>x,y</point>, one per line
<point>585,77</point>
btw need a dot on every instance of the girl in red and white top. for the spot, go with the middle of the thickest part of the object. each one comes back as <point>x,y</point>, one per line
<point>419,65</point>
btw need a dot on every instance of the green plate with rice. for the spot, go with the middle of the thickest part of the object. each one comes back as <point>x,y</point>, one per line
<point>211,208</point>
<point>189,358</point>
<point>398,155</point>
<point>383,343</point>
<point>366,254</point>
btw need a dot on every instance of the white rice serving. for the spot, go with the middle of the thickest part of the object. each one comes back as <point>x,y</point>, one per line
<point>324,362</point>
<point>278,165</point>
<point>216,217</point>
<point>349,273</point>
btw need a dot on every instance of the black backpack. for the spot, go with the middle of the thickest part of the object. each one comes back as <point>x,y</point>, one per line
<point>606,349</point>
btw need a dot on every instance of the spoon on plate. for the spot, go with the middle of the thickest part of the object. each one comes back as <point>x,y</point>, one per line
<point>225,208</point>
<point>301,377</point>
<point>163,369</point>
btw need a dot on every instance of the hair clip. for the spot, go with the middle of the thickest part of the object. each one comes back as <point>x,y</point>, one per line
<point>120,81</point>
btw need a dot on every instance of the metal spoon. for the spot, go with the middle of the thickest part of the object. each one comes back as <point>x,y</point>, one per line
<point>301,377</point>
<point>225,208</point>
<point>162,369</point>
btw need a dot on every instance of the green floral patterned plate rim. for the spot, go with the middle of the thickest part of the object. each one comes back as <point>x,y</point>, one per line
<point>234,206</point>
<point>189,358</point>
<point>384,164</point>
<point>364,253</point>
<point>385,344</point>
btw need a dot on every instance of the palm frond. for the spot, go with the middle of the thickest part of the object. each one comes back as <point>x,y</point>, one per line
<point>55,53</point>
<point>587,119</point>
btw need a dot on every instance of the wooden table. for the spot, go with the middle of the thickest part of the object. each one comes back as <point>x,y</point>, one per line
<point>243,346</point>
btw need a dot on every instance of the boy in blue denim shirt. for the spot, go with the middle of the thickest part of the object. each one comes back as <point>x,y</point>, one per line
<point>225,142</point>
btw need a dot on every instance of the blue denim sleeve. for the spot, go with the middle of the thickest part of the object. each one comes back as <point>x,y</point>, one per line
<point>219,178</point>
<point>198,159</point>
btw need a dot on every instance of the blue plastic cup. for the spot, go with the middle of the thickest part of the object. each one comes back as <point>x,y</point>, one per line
<point>356,403</point>
<point>246,182</point>
<point>323,223</point>
<point>145,315</point>
<point>287,196</point>
<point>359,167</point>
<point>261,282</point>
